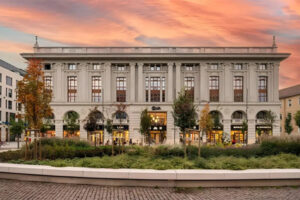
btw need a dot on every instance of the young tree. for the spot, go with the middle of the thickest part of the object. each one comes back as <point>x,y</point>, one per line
<point>297,118</point>
<point>121,115</point>
<point>35,97</point>
<point>244,127</point>
<point>270,119</point>
<point>205,123</point>
<point>91,124</point>
<point>16,128</point>
<point>287,125</point>
<point>145,124</point>
<point>109,129</point>
<point>184,114</point>
<point>71,119</point>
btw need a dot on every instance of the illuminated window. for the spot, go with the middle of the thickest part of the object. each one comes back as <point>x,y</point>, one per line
<point>48,82</point>
<point>96,89</point>
<point>262,66</point>
<point>96,66</point>
<point>147,89</point>
<point>72,88</point>
<point>155,89</point>
<point>72,66</point>
<point>121,89</point>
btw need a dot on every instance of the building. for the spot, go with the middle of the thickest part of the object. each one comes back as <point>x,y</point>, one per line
<point>290,103</point>
<point>9,76</point>
<point>240,84</point>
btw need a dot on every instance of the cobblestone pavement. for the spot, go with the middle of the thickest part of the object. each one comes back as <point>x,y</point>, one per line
<point>11,189</point>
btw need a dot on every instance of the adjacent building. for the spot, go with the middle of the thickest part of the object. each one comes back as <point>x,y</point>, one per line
<point>290,104</point>
<point>239,83</point>
<point>9,76</point>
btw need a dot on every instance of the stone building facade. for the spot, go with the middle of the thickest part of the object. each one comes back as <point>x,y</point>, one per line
<point>237,82</point>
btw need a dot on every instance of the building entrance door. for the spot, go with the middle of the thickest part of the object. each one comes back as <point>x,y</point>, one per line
<point>158,127</point>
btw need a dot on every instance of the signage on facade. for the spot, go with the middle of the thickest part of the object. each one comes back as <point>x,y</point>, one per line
<point>263,127</point>
<point>236,127</point>
<point>121,127</point>
<point>158,128</point>
<point>156,108</point>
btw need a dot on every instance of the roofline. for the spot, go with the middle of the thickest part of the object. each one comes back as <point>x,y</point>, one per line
<point>12,68</point>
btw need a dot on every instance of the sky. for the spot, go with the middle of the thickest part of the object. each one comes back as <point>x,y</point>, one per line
<point>152,23</point>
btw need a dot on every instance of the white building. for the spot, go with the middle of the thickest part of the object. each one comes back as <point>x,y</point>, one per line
<point>240,83</point>
<point>9,75</point>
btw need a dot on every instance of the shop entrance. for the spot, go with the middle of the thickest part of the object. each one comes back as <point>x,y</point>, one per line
<point>158,130</point>
<point>96,137</point>
<point>121,134</point>
<point>237,136</point>
<point>263,131</point>
<point>215,136</point>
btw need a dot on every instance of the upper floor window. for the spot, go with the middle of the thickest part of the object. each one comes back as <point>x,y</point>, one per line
<point>188,67</point>
<point>156,89</point>
<point>0,90</point>
<point>238,88</point>
<point>155,67</point>
<point>214,88</point>
<point>10,105</point>
<point>263,89</point>
<point>262,66</point>
<point>96,66</point>
<point>96,88</point>
<point>0,103</point>
<point>121,67</point>
<point>290,102</point>
<point>8,81</point>
<point>9,92</point>
<point>189,85</point>
<point>155,86</point>
<point>72,88</point>
<point>237,66</point>
<point>47,66</point>
<point>214,66</point>
<point>0,77</point>
<point>121,89</point>
<point>72,66</point>
<point>48,82</point>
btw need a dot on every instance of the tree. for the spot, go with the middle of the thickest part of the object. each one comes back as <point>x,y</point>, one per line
<point>184,114</point>
<point>297,118</point>
<point>91,124</point>
<point>205,123</point>
<point>35,97</point>
<point>270,118</point>
<point>145,124</point>
<point>244,127</point>
<point>120,114</point>
<point>287,124</point>
<point>71,119</point>
<point>16,128</point>
<point>109,129</point>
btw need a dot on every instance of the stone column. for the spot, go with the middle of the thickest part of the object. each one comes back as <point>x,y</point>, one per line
<point>178,77</point>
<point>276,127</point>
<point>226,124</point>
<point>107,84</point>
<point>59,90</point>
<point>276,82</point>
<point>227,93</point>
<point>252,83</point>
<point>140,82</point>
<point>203,84</point>
<point>82,84</point>
<point>251,131</point>
<point>170,129</point>
<point>170,82</point>
<point>83,132</point>
<point>132,82</point>
<point>59,131</point>
<point>2,134</point>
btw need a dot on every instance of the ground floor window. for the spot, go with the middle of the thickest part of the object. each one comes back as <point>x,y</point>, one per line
<point>96,137</point>
<point>238,137</point>
<point>158,137</point>
<point>68,134</point>
<point>263,131</point>
<point>215,136</point>
<point>192,137</point>
<point>121,137</point>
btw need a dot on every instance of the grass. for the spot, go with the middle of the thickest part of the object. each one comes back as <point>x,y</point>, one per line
<point>152,162</point>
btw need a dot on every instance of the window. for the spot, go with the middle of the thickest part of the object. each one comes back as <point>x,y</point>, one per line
<point>0,116</point>
<point>0,102</point>
<point>121,115</point>
<point>163,89</point>
<point>214,66</point>
<point>121,89</point>
<point>280,116</point>
<point>9,92</point>
<point>155,89</point>
<point>238,88</point>
<point>19,107</point>
<point>237,66</point>
<point>188,67</point>
<point>47,66</point>
<point>0,90</point>
<point>10,105</point>
<point>263,89</point>
<point>71,66</point>
<point>96,66</point>
<point>8,81</point>
<point>237,115</point>
<point>0,77</point>
<point>48,83</point>
<point>155,67</point>
<point>290,102</point>
<point>262,66</point>
<point>121,67</point>
<point>6,116</point>
<point>96,88</point>
<point>147,89</point>
<point>214,88</point>
<point>189,84</point>
<point>72,88</point>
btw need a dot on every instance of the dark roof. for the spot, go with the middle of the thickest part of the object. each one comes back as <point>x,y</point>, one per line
<point>289,92</point>
<point>12,68</point>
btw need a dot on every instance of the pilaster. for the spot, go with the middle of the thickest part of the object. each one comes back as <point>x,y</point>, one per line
<point>132,82</point>
<point>170,82</point>
<point>251,131</point>
<point>107,84</point>
<point>252,83</point>
<point>178,77</point>
<point>83,132</point>
<point>59,132</point>
<point>140,82</point>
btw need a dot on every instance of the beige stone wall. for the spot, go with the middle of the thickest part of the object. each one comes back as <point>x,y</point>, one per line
<point>285,109</point>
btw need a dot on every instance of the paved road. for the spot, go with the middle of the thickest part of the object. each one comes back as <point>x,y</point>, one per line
<point>11,189</point>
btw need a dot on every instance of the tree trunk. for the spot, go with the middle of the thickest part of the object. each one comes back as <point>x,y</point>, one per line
<point>26,148</point>
<point>149,139</point>
<point>18,141</point>
<point>184,143</point>
<point>40,146</point>
<point>112,146</point>
<point>35,146</point>
<point>199,143</point>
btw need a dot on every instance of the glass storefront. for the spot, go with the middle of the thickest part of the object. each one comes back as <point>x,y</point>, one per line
<point>237,136</point>
<point>263,130</point>
<point>214,136</point>
<point>192,137</point>
<point>121,136</point>
<point>158,132</point>
<point>96,137</point>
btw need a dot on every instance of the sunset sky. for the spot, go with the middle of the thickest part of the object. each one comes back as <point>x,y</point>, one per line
<point>152,23</point>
